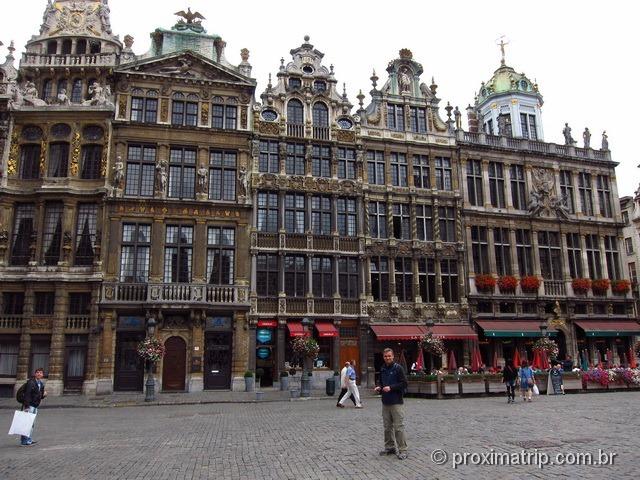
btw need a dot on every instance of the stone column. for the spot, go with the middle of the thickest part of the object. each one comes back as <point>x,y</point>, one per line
<point>156,272</point>
<point>463,180</point>
<point>491,251</point>
<point>199,260</point>
<point>537,271</point>
<point>603,257</point>
<point>91,369</point>
<point>507,186</point>
<point>485,184</point>
<point>112,258</point>
<point>281,333</point>
<point>565,258</point>
<point>24,353</point>
<point>583,255</point>
<point>104,384</point>
<point>56,355</point>
<point>514,251</point>
<point>196,378</point>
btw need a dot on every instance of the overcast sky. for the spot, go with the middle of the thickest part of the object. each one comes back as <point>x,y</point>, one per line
<point>582,53</point>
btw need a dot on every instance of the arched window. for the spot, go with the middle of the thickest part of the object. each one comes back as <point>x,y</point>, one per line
<point>30,152</point>
<point>76,90</point>
<point>52,47</point>
<point>47,89</point>
<point>295,112</point>
<point>66,47</point>
<point>95,47</point>
<point>320,115</point>
<point>81,47</point>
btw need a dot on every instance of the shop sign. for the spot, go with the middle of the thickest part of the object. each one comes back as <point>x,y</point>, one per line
<point>263,353</point>
<point>218,323</point>
<point>264,335</point>
<point>131,323</point>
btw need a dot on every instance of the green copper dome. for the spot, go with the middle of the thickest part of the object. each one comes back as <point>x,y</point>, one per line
<point>506,80</point>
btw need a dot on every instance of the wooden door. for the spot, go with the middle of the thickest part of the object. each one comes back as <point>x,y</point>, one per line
<point>129,368</point>
<point>217,361</point>
<point>174,364</point>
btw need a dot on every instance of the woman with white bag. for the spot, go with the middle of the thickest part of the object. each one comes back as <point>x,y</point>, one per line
<point>34,392</point>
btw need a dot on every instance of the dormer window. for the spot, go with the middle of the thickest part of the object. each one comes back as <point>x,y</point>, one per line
<point>224,115</point>
<point>528,126</point>
<point>144,106</point>
<point>308,69</point>
<point>184,110</point>
<point>269,115</point>
<point>395,117</point>
<point>319,86</point>
<point>295,83</point>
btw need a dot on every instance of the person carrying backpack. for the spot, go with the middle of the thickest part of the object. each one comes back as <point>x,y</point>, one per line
<point>527,381</point>
<point>30,395</point>
<point>509,377</point>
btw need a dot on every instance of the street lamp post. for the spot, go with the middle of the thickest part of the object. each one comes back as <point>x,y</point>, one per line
<point>150,385</point>
<point>305,381</point>
<point>544,325</point>
<point>430,324</point>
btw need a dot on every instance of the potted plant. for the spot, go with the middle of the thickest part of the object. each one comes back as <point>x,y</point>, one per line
<point>249,381</point>
<point>284,380</point>
<point>581,285</point>
<point>600,286</point>
<point>530,284</point>
<point>507,284</point>
<point>621,287</point>
<point>485,283</point>
<point>307,349</point>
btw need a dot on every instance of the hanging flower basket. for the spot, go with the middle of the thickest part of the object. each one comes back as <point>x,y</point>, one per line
<point>621,287</point>
<point>432,345</point>
<point>581,285</point>
<point>546,345</point>
<point>600,286</point>
<point>151,349</point>
<point>507,284</point>
<point>305,347</point>
<point>485,283</point>
<point>530,284</point>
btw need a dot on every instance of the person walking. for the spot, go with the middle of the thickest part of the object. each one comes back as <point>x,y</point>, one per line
<point>33,394</point>
<point>527,381</point>
<point>393,382</point>
<point>509,377</point>
<point>352,388</point>
<point>344,385</point>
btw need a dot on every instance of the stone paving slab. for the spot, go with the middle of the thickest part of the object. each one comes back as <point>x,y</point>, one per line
<point>315,440</point>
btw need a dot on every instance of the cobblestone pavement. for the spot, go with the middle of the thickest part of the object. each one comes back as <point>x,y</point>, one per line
<point>315,440</point>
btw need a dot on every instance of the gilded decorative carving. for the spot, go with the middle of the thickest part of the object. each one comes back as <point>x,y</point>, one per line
<point>269,128</point>
<point>40,323</point>
<point>243,117</point>
<point>346,136</point>
<point>14,151</point>
<point>43,155</point>
<point>104,161</point>
<point>75,154</point>
<point>204,114</point>
<point>122,107</point>
<point>164,110</point>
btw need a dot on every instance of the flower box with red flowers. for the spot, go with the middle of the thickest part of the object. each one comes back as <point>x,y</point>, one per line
<point>621,287</point>
<point>600,286</point>
<point>530,284</point>
<point>581,285</point>
<point>485,283</point>
<point>507,284</point>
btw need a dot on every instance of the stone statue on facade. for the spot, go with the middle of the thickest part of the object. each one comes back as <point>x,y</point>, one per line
<point>586,136</point>
<point>118,172</point>
<point>404,80</point>
<point>202,179</point>
<point>48,13</point>
<point>605,141</point>
<point>183,68</point>
<point>243,181</point>
<point>161,177</point>
<point>27,95</point>
<point>99,96</point>
<point>62,98</point>
<point>104,16</point>
<point>566,131</point>
<point>458,117</point>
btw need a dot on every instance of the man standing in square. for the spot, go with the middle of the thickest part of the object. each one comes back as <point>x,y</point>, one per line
<point>33,394</point>
<point>393,382</point>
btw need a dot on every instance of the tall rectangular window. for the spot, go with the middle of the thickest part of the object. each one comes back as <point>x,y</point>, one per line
<point>217,113</point>
<point>13,303</point>
<point>79,303</point>
<point>496,184</point>
<point>348,271</point>
<point>58,159</point>
<point>321,161</point>
<point>222,175</point>
<point>633,274</point>
<point>375,168</point>
<point>613,256</point>
<point>421,171</point>
<point>321,215</point>
<point>449,275</point>
<point>592,246</point>
<point>528,126</point>
<point>427,279</point>
<point>604,196</point>
<point>184,113</point>
<point>52,233</point>
<point>480,249</point>
<point>399,170</point>
<point>502,248</point>
<point>377,219</point>
<point>346,163</point>
<point>474,183</point>
<point>144,109</point>
<point>268,161</point>
<point>447,222</point>
<point>221,250</point>
<point>30,161</point>
<point>267,275</point>
<point>40,352</point>
<point>586,196</point>
<point>395,117</point>
<point>379,269</point>
<point>550,255</point>
<point>44,303</point>
<point>628,245</point>
<point>136,250</point>
<point>86,230</point>
<point>9,348</point>
<point>267,212</point>
<point>230,117</point>
<point>182,172</point>
<point>347,217</point>
<point>322,274</point>
<point>524,251</point>
<point>141,164</point>
<point>518,187</point>
<point>418,118</point>
<point>443,173</point>
<point>575,255</point>
<point>178,254</point>
<point>424,222</point>
<point>401,221</point>
<point>295,159</point>
<point>295,275</point>
<point>295,213</point>
<point>23,230</point>
<point>91,162</point>
<point>404,279</point>
<point>566,190</point>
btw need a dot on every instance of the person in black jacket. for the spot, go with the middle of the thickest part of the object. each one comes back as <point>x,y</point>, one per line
<point>509,377</point>
<point>33,395</point>
<point>393,383</point>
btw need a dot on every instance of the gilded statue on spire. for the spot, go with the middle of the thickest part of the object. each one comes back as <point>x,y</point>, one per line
<point>502,45</point>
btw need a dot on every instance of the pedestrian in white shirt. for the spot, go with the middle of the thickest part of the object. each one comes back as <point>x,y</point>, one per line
<point>344,384</point>
<point>352,388</point>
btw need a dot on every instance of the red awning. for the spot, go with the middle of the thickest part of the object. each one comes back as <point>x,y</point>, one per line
<point>399,332</point>
<point>326,329</point>
<point>295,329</point>
<point>268,323</point>
<point>454,332</point>
<point>606,328</point>
<point>512,328</point>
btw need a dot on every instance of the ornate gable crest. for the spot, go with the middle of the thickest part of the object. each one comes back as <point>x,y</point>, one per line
<point>543,199</point>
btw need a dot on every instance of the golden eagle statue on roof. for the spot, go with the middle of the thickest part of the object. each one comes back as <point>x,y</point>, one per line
<point>192,18</point>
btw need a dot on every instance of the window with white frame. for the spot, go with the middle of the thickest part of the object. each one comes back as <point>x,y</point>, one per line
<point>141,165</point>
<point>144,106</point>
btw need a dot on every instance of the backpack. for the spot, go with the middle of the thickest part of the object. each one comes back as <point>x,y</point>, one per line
<point>20,393</point>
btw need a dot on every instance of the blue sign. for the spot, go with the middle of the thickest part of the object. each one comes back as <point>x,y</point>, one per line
<point>131,323</point>
<point>218,323</point>
<point>264,335</point>
<point>263,353</point>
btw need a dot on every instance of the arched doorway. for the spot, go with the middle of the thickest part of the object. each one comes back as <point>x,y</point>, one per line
<point>174,364</point>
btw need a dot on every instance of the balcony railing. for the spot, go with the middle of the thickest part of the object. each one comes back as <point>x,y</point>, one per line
<point>77,322</point>
<point>10,322</point>
<point>321,133</point>
<point>295,130</point>
<point>175,293</point>
<point>310,306</point>
<point>303,241</point>
<point>554,288</point>
<point>88,59</point>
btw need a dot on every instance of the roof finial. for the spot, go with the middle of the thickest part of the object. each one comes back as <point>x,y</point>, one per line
<point>374,79</point>
<point>502,45</point>
<point>360,98</point>
<point>344,90</point>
